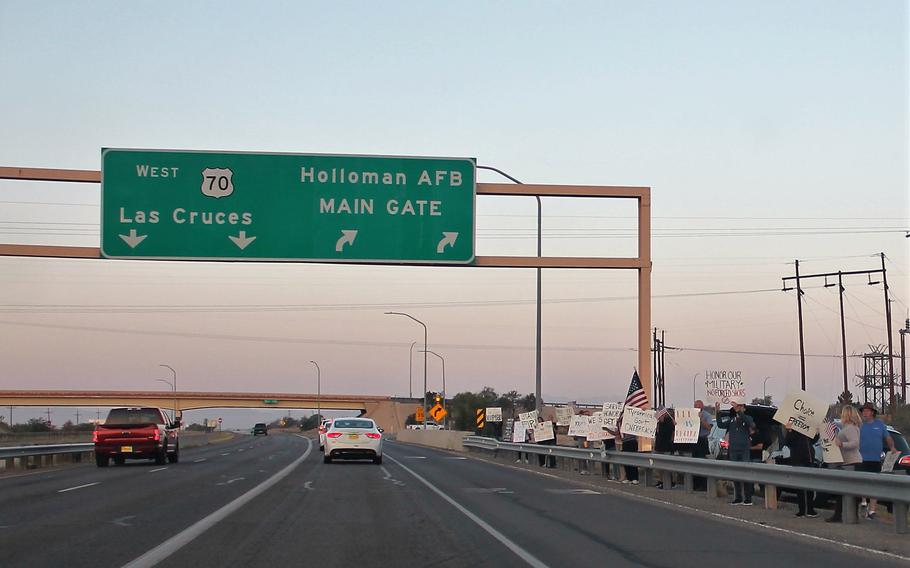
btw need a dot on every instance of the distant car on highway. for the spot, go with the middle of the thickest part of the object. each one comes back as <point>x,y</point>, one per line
<point>353,438</point>
<point>428,426</point>
<point>136,433</point>
<point>260,428</point>
<point>323,428</point>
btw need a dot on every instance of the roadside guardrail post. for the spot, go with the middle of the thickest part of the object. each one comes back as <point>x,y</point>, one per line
<point>689,483</point>
<point>770,496</point>
<point>848,510</point>
<point>712,487</point>
<point>649,477</point>
<point>666,477</point>
<point>900,517</point>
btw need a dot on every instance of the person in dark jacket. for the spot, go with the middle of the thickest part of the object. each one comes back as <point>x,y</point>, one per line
<point>802,454</point>
<point>739,430</point>
<point>547,460</point>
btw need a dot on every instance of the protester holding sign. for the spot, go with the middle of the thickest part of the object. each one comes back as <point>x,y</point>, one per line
<point>802,454</point>
<point>581,442</point>
<point>545,434</point>
<point>739,433</point>
<point>847,440</point>
<point>873,437</point>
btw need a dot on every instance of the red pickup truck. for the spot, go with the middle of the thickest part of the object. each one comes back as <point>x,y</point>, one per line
<point>136,433</point>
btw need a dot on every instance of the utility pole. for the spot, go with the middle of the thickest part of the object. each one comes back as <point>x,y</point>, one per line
<point>890,350</point>
<point>903,332</point>
<point>48,416</point>
<point>77,417</point>
<point>840,284</point>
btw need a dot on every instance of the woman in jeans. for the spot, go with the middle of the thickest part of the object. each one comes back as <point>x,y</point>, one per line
<point>848,442</point>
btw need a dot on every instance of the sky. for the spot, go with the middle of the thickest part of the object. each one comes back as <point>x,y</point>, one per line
<point>767,132</point>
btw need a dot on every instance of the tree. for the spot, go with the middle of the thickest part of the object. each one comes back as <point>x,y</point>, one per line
<point>765,400</point>
<point>845,397</point>
<point>527,403</point>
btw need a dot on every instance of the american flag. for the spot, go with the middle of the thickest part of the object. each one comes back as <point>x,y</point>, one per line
<point>829,428</point>
<point>637,396</point>
<point>661,412</point>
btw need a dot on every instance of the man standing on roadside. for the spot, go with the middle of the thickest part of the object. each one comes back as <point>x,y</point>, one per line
<point>738,443</point>
<point>873,436</point>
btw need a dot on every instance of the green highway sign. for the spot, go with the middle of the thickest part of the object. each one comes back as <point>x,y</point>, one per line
<point>269,401</point>
<point>186,205</point>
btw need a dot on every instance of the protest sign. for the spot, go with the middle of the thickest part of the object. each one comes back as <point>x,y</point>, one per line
<point>687,423</point>
<point>543,431</point>
<point>722,386</point>
<point>611,413</point>
<point>595,429</point>
<point>890,460</point>
<point>564,415</point>
<point>507,428</point>
<point>579,425</point>
<point>803,411</point>
<point>519,433</point>
<point>494,414</point>
<point>832,452</point>
<point>638,422</point>
<point>529,419</point>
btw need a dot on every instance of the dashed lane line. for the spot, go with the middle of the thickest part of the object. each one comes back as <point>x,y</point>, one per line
<point>78,487</point>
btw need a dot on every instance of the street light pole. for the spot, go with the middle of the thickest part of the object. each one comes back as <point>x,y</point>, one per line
<point>694,396</point>
<point>441,358</point>
<point>411,370</point>
<point>318,394</point>
<point>764,390</point>
<point>424,360</point>
<point>174,388</point>
<point>174,385</point>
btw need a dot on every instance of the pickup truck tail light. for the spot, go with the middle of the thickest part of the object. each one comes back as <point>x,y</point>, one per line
<point>904,460</point>
<point>373,435</point>
<point>334,435</point>
<point>94,436</point>
<point>156,436</point>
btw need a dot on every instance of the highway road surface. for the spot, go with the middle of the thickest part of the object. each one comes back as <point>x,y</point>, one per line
<point>270,501</point>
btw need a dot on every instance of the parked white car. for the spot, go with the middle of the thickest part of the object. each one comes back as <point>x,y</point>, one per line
<point>353,438</point>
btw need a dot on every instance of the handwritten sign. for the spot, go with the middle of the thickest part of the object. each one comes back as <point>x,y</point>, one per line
<point>638,422</point>
<point>564,415</point>
<point>520,433</point>
<point>579,425</point>
<point>687,424</point>
<point>595,429</point>
<point>529,419</point>
<point>722,386</point>
<point>831,452</point>
<point>611,413</point>
<point>803,411</point>
<point>543,431</point>
<point>494,414</point>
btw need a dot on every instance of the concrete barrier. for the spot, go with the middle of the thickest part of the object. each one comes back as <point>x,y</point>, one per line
<point>442,439</point>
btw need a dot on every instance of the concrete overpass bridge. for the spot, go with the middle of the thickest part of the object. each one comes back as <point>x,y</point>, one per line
<point>388,413</point>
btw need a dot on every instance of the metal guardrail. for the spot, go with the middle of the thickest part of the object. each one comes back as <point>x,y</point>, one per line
<point>45,450</point>
<point>894,488</point>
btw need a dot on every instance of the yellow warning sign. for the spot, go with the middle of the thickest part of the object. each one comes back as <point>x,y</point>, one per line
<point>438,412</point>
<point>418,415</point>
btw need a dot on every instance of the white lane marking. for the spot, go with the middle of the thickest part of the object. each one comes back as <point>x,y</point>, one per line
<point>122,521</point>
<point>159,469</point>
<point>240,450</point>
<point>456,458</point>
<point>226,454</point>
<point>485,490</point>
<point>229,481</point>
<point>308,485</point>
<point>414,457</point>
<point>791,532</point>
<point>388,477</point>
<point>573,491</point>
<point>78,487</point>
<point>178,541</point>
<point>529,558</point>
<point>200,460</point>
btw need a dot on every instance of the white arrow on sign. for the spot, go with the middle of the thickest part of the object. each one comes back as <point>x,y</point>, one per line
<point>132,239</point>
<point>347,237</point>
<point>447,239</point>
<point>241,240</point>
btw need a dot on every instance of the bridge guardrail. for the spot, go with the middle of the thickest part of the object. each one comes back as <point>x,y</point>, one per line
<point>848,484</point>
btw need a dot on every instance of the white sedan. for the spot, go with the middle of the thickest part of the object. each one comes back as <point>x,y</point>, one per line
<point>353,438</point>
